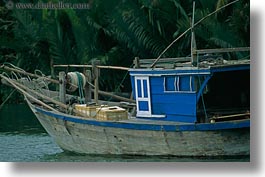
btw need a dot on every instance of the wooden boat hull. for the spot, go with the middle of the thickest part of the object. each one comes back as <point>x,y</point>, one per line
<point>97,137</point>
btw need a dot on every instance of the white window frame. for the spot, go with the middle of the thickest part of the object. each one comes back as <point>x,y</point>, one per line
<point>177,85</point>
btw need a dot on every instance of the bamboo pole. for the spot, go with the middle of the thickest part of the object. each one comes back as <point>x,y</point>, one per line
<point>19,87</point>
<point>34,92</point>
<point>29,74</point>
<point>114,67</point>
<point>197,23</point>
<point>115,96</point>
<point>15,85</point>
<point>193,41</point>
<point>73,66</point>
<point>57,82</point>
<point>7,98</point>
<point>230,116</point>
<point>91,66</point>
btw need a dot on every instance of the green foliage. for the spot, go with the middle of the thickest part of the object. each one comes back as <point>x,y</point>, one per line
<point>116,31</point>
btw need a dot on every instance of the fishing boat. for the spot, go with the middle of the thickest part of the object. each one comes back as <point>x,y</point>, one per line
<point>190,106</point>
<point>184,110</point>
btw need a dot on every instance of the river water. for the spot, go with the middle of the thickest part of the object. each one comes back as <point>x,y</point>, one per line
<point>22,139</point>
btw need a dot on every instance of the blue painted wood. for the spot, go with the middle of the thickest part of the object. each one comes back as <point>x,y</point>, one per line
<point>184,83</point>
<point>171,104</point>
<point>133,86</point>
<point>143,105</point>
<point>157,84</point>
<point>169,83</point>
<point>181,118</point>
<point>174,103</point>
<point>151,126</point>
<point>156,81</point>
<point>202,87</point>
<point>174,97</point>
<point>174,109</point>
<point>173,92</point>
<point>168,72</point>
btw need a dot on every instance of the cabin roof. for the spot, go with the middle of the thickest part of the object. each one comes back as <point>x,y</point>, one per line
<point>202,68</point>
<point>203,58</point>
<point>175,63</point>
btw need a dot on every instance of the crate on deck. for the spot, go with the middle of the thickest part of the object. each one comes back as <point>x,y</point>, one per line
<point>113,113</point>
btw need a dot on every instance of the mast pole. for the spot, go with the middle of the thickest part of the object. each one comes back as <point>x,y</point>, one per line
<point>194,61</point>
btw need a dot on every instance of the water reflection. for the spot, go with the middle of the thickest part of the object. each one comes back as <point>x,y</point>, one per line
<point>21,147</point>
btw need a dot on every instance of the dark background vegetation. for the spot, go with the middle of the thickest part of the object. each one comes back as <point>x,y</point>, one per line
<point>115,31</point>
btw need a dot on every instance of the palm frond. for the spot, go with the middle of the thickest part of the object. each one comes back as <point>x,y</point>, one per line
<point>61,49</point>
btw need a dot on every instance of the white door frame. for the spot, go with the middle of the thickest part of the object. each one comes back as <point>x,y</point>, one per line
<point>143,96</point>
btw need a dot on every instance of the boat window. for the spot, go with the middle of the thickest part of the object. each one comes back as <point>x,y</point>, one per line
<point>169,83</point>
<point>179,84</point>
<point>139,88</point>
<point>185,83</point>
<point>145,88</point>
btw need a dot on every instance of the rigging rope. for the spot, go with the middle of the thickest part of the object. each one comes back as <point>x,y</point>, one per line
<point>203,103</point>
<point>198,22</point>
<point>123,79</point>
<point>9,96</point>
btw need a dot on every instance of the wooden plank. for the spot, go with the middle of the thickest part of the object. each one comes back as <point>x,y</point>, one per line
<point>88,87</point>
<point>136,62</point>
<point>222,50</point>
<point>165,60</point>
<point>90,139</point>
<point>168,63</point>
<point>62,87</point>
<point>96,73</point>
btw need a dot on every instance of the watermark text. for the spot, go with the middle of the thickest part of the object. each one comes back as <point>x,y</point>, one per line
<point>49,5</point>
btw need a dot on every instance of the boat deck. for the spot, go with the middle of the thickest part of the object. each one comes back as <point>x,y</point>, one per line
<point>135,120</point>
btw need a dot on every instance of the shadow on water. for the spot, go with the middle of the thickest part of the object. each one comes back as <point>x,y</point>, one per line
<point>18,118</point>
<point>73,157</point>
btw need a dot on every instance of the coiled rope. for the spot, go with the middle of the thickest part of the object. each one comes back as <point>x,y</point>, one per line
<point>80,87</point>
<point>77,81</point>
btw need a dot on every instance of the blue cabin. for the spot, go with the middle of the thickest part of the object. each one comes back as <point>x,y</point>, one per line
<point>190,94</point>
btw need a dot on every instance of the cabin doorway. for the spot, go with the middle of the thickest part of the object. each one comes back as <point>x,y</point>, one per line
<point>142,96</point>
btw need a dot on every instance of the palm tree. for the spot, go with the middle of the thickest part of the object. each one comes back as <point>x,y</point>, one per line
<point>117,31</point>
